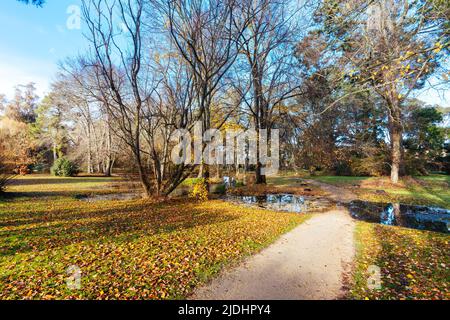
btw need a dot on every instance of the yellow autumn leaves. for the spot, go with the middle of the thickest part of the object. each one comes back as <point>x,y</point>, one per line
<point>125,249</point>
<point>413,263</point>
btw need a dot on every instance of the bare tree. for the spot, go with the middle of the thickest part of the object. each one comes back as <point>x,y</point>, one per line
<point>271,76</point>
<point>136,87</point>
<point>205,33</point>
<point>123,83</point>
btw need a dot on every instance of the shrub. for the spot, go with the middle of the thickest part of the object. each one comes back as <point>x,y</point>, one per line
<point>240,184</point>
<point>63,167</point>
<point>24,170</point>
<point>373,166</point>
<point>342,168</point>
<point>5,177</point>
<point>200,190</point>
<point>220,189</point>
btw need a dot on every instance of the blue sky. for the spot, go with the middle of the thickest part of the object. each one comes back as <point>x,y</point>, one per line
<point>33,41</point>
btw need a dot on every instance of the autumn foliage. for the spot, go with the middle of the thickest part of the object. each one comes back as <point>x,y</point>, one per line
<point>125,249</point>
<point>414,263</point>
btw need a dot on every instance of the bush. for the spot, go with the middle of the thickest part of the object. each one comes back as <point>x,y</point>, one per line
<point>373,166</point>
<point>5,177</point>
<point>64,168</point>
<point>24,170</point>
<point>240,184</point>
<point>200,190</point>
<point>220,189</point>
<point>343,168</point>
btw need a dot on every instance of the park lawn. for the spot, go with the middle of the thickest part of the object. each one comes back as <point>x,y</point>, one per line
<point>39,185</point>
<point>414,264</point>
<point>430,190</point>
<point>343,181</point>
<point>124,249</point>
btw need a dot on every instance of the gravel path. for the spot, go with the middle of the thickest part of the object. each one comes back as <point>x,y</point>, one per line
<point>306,263</point>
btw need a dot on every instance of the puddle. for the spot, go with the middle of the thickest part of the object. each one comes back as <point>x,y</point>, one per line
<point>409,216</point>
<point>110,197</point>
<point>281,202</point>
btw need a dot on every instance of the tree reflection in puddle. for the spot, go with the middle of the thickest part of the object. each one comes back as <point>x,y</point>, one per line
<point>396,214</point>
<point>280,202</point>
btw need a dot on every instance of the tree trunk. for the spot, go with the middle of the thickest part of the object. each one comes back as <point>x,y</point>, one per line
<point>396,138</point>
<point>144,180</point>
<point>108,168</point>
<point>259,177</point>
<point>109,160</point>
<point>395,132</point>
<point>157,172</point>
<point>260,120</point>
<point>218,172</point>
<point>89,153</point>
<point>55,153</point>
<point>206,125</point>
<point>142,174</point>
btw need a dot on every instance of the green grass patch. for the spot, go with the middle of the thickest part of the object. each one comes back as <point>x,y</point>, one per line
<point>423,190</point>
<point>340,180</point>
<point>432,191</point>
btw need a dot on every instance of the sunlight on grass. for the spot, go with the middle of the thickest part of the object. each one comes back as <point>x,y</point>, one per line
<point>429,190</point>
<point>339,180</point>
<point>125,249</point>
<point>37,183</point>
<point>414,263</point>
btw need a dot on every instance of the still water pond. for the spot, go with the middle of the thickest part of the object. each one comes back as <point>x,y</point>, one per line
<point>409,216</point>
<point>281,202</point>
<point>394,214</point>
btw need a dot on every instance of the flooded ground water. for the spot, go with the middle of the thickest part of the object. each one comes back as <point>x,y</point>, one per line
<point>393,214</point>
<point>282,202</point>
<point>396,214</point>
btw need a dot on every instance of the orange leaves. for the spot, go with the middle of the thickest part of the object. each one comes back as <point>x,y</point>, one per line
<point>125,249</point>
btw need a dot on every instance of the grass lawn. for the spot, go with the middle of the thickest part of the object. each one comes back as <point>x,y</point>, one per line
<point>429,190</point>
<point>414,264</point>
<point>340,180</point>
<point>124,249</point>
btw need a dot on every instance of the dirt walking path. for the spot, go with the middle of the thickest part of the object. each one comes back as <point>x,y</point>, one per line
<point>306,263</point>
<point>338,194</point>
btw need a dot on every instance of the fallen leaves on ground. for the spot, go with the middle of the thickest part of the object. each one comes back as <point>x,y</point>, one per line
<point>414,264</point>
<point>125,249</point>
